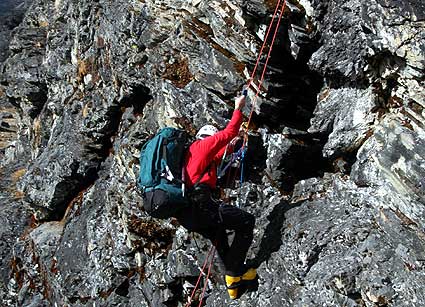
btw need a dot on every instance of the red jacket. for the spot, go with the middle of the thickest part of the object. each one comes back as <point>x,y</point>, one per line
<point>210,151</point>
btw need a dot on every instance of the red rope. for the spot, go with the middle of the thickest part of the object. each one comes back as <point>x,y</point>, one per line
<point>265,65</point>
<point>264,43</point>
<point>206,279</point>
<point>211,251</point>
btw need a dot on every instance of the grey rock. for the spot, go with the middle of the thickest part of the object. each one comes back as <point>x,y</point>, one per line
<point>397,166</point>
<point>292,156</point>
<point>353,115</point>
<point>12,13</point>
<point>334,170</point>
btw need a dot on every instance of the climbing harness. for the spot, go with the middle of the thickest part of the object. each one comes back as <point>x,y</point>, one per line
<point>235,158</point>
<point>236,161</point>
<point>240,155</point>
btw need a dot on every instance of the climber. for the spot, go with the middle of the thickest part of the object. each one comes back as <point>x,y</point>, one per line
<point>209,217</point>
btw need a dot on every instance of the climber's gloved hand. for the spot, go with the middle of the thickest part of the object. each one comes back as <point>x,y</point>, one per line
<point>240,102</point>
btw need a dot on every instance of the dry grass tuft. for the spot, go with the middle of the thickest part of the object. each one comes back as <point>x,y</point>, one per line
<point>18,174</point>
<point>178,73</point>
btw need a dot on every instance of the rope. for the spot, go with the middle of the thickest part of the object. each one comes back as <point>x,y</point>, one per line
<point>223,159</point>
<point>206,279</point>
<point>235,156</point>
<point>241,177</point>
<point>267,60</point>
<point>207,260</point>
<point>264,43</point>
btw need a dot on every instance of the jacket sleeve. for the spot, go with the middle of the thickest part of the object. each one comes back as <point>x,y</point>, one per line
<point>217,142</point>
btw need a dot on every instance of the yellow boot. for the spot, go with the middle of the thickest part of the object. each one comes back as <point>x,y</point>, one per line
<point>251,274</point>
<point>232,283</point>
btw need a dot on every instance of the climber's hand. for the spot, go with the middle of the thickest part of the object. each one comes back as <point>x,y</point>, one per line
<point>240,102</point>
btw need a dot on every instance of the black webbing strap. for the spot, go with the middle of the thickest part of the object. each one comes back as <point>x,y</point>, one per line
<point>207,169</point>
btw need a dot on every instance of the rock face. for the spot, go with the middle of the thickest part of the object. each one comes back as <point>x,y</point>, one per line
<point>11,13</point>
<point>335,167</point>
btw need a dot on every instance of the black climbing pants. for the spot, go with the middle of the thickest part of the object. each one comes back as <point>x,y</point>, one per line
<point>211,219</point>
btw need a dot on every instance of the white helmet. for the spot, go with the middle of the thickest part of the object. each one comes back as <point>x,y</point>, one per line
<point>205,131</point>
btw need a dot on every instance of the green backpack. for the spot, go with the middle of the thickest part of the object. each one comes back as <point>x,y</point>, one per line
<point>161,172</point>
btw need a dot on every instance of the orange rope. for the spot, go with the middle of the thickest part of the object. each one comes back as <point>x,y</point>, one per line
<point>206,279</point>
<point>207,260</point>
<point>264,44</point>
<point>265,65</point>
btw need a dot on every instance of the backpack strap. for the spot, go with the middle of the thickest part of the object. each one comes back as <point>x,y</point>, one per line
<point>166,173</point>
<point>197,181</point>
<point>207,169</point>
